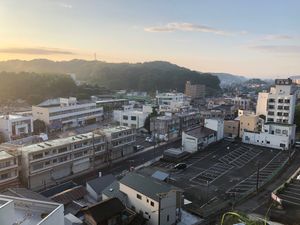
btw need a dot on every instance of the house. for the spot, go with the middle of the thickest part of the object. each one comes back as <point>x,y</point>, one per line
<point>107,212</point>
<point>197,138</point>
<point>96,186</point>
<point>158,202</point>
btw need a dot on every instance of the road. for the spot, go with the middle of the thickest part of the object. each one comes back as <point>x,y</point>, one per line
<point>136,160</point>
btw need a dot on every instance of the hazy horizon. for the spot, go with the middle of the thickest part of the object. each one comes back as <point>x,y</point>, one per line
<point>251,39</point>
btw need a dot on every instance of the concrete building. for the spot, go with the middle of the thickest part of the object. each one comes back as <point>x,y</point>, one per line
<point>45,162</point>
<point>120,141</point>
<point>240,103</point>
<point>197,139</point>
<point>9,173</point>
<point>262,103</point>
<point>279,136</point>
<point>281,102</point>
<point>249,123</point>
<point>231,128</point>
<point>216,125</point>
<point>226,112</point>
<point>134,118</point>
<point>172,102</point>
<point>158,202</point>
<point>15,210</point>
<point>15,126</point>
<point>65,113</point>
<point>109,105</point>
<point>194,90</point>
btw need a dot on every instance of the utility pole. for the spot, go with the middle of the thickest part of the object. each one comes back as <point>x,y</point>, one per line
<point>257,177</point>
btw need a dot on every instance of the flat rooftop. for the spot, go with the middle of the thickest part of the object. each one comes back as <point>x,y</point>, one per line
<point>111,100</point>
<point>115,129</point>
<point>25,211</point>
<point>4,155</point>
<point>13,117</point>
<point>59,142</point>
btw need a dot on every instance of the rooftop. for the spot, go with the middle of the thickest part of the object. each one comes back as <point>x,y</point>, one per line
<point>100,183</point>
<point>110,100</point>
<point>200,132</point>
<point>115,129</point>
<point>5,155</point>
<point>146,185</point>
<point>59,142</point>
<point>13,117</point>
<point>27,211</point>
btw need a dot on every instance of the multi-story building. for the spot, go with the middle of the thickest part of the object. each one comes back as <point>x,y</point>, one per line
<point>15,126</point>
<point>131,117</point>
<point>172,102</point>
<point>216,125</point>
<point>227,112</point>
<point>194,90</point>
<point>170,125</point>
<point>231,128</point>
<point>240,103</point>
<point>8,169</point>
<point>262,103</point>
<point>109,105</point>
<point>16,210</point>
<point>64,113</point>
<point>44,163</point>
<point>279,130</point>
<point>249,123</point>
<point>157,202</point>
<point>281,102</point>
<point>120,141</point>
<point>279,136</point>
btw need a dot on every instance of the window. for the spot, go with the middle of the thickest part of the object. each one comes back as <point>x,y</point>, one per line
<point>61,150</point>
<point>47,163</point>
<point>278,131</point>
<point>47,153</point>
<point>125,117</point>
<point>280,107</point>
<point>280,100</point>
<point>139,196</point>
<point>62,159</point>
<point>287,101</point>
<point>37,166</point>
<point>284,132</point>
<point>37,156</point>
<point>168,218</point>
<point>279,114</point>
<point>282,145</point>
<point>268,142</point>
<point>78,145</point>
<point>152,204</point>
<point>286,108</point>
<point>133,118</point>
<point>4,176</point>
<point>54,160</point>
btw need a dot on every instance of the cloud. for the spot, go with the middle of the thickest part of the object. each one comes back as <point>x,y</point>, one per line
<point>273,37</point>
<point>171,27</point>
<point>36,51</point>
<point>283,49</point>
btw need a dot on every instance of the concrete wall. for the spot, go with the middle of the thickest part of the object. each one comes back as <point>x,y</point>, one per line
<point>216,125</point>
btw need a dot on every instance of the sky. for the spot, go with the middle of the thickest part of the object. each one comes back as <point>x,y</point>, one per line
<point>257,38</point>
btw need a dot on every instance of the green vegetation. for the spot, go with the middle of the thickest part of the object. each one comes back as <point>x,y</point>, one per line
<point>35,88</point>
<point>149,76</point>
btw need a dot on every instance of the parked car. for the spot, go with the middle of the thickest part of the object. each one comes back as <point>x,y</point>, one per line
<point>180,166</point>
<point>149,139</point>
<point>138,147</point>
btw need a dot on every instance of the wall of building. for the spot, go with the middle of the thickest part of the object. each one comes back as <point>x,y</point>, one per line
<point>216,125</point>
<point>231,128</point>
<point>249,123</point>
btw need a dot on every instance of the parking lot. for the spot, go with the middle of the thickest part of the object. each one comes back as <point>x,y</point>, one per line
<point>222,169</point>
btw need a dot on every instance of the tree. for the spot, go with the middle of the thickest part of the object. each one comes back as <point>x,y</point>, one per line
<point>39,126</point>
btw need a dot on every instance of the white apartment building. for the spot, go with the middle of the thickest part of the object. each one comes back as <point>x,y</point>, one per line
<point>134,118</point>
<point>216,125</point>
<point>173,102</point>
<point>281,102</point>
<point>279,136</point>
<point>45,162</point>
<point>64,113</point>
<point>120,141</point>
<point>8,169</point>
<point>262,103</point>
<point>239,102</point>
<point>15,210</point>
<point>15,126</point>
<point>158,202</point>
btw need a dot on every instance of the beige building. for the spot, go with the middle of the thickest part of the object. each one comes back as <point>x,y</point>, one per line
<point>194,90</point>
<point>249,123</point>
<point>8,169</point>
<point>231,128</point>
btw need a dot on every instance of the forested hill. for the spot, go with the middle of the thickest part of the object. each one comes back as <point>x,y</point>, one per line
<point>35,88</point>
<point>149,76</point>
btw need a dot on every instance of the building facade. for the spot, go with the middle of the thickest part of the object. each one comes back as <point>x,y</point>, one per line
<point>172,102</point>
<point>9,173</point>
<point>194,90</point>
<point>216,125</point>
<point>15,126</point>
<point>231,128</point>
<point>249,123</point>
<point>65,113</point>
<point>134,118</point>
